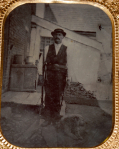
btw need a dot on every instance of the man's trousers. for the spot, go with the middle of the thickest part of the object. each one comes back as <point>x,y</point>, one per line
<point>54,88</point>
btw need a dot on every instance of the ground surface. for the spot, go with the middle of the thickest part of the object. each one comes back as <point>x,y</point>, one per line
<point>21,123</point>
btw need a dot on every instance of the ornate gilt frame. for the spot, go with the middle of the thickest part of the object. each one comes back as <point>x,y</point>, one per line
<point>111,7</point>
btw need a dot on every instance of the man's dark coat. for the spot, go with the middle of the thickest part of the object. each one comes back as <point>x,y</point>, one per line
<point>56,79</point>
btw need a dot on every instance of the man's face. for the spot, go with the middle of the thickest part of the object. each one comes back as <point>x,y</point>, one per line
<point>58,37</point>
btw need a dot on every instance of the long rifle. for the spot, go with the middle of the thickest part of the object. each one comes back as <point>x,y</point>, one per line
<point>42,89</point>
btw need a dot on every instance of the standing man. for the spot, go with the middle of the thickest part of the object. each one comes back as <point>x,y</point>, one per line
<point>56,73</point>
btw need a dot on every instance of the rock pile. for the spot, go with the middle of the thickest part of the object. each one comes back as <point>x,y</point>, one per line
<point>76,89</point>
<point>76,93</point>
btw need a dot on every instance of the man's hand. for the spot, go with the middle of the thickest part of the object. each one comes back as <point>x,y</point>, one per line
<point>68,82</point>
<point>56,65</point>
<point>60,66</point>
<point>45,63</point>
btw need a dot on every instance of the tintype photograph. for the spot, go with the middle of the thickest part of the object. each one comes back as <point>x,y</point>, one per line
<point>57,76</point>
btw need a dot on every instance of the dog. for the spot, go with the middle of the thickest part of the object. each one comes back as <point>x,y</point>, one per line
<point>72,125</point>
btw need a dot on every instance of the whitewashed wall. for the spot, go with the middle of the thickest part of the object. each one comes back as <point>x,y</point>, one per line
<point>86,65</point>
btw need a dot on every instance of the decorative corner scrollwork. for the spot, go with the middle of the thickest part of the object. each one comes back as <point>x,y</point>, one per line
<point>5,4</point>
<point>113,5</point>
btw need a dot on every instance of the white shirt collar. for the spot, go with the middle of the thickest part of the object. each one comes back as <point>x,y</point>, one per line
<point>58,45</point>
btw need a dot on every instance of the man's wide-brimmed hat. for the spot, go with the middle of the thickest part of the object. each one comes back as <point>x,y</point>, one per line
<point>58,31</point>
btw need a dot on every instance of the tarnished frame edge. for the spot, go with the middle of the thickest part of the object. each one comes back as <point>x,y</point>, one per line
<point>112,10</point>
